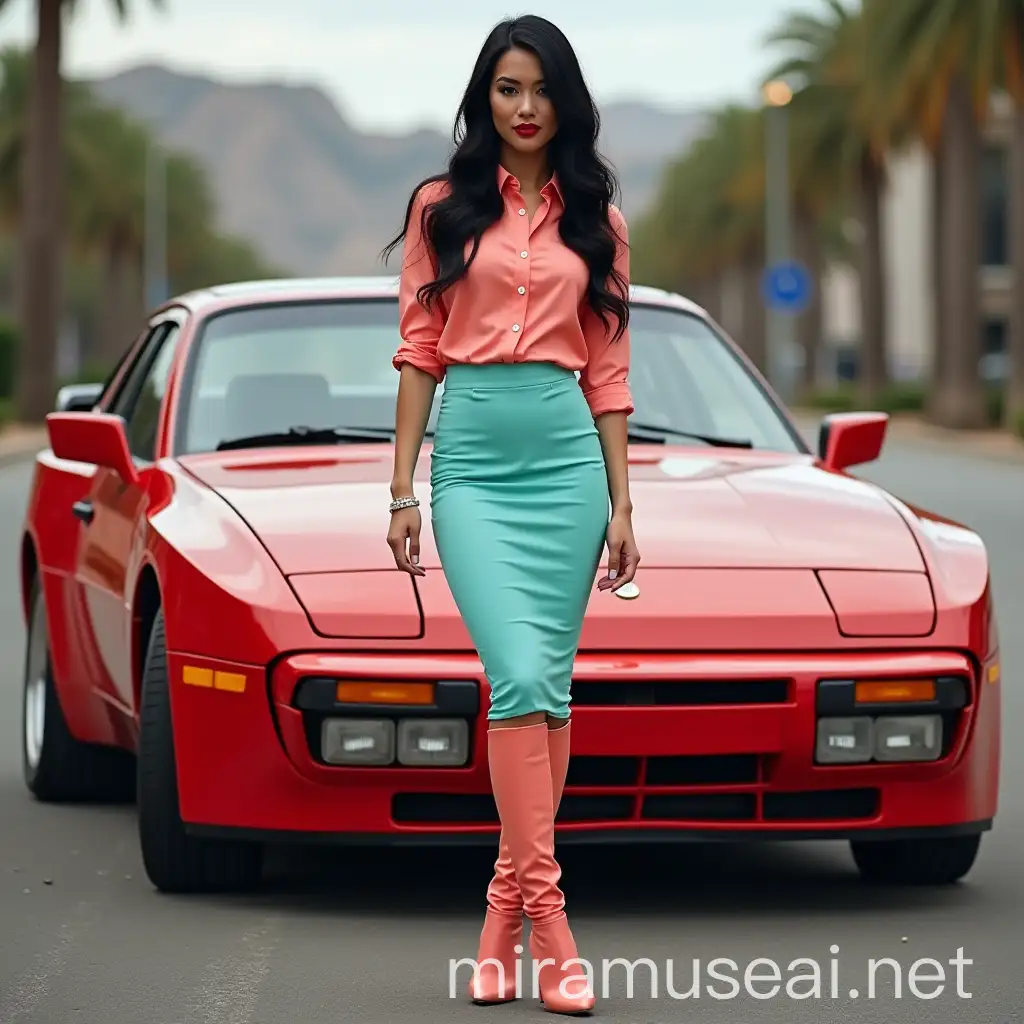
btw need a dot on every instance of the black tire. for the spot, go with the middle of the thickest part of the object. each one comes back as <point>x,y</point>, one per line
<point>175,861</point>
<point>939,861</point>
<point>57,767</point>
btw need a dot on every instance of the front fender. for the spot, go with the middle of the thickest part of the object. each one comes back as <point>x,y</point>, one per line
<point>223,595</point>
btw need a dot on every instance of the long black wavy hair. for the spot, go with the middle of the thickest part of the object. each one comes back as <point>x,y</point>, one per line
<point>473,202</point>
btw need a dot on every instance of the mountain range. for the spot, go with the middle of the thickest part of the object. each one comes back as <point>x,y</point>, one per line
<point>317,196</point>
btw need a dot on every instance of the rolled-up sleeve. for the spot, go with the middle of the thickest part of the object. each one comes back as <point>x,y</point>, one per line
<point>420,329</point>
<point>605,378</point>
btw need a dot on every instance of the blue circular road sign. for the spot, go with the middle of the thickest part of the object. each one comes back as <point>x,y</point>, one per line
<point>787,286</point>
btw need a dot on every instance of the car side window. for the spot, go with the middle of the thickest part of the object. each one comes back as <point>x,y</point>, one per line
<point>144,419</point>
<point>123,399</point>
<point>113,385</point>
<point>141,398</point>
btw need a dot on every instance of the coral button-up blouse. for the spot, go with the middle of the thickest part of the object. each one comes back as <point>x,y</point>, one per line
<point>523,299</point>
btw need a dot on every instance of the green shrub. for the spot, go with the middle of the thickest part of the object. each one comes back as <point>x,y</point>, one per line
<point>5,412</point>
<point>840,399</point>
<point>994,405</point>
<point>898,398</point>
<point>905,396</point>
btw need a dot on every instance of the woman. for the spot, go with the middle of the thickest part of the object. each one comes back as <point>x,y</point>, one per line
<point>515,274</point>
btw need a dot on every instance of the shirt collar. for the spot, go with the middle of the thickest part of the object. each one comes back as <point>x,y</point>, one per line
<point>505,177</point>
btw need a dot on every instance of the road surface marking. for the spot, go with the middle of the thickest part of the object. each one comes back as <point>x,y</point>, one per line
<point>34,985</point>
<point>230,987</point>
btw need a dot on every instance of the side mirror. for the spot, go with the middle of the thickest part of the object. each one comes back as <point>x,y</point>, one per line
<point>851,438</point>
<point>78,397</point>
<point>96,438</point>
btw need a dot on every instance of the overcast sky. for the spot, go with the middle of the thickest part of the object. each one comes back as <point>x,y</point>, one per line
<point>396,64</point>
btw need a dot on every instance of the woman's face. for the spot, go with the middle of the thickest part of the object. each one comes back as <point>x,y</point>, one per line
<point>523,115</point>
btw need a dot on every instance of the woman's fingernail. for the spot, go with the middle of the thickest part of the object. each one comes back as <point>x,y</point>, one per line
<point>613,574</point>
<point>415,559</point>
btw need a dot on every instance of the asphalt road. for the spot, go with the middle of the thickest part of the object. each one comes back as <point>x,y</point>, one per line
<point>368,937</point>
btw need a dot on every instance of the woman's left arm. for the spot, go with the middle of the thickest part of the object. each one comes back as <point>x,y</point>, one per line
<point>623,554</point>
<point>606,388</point>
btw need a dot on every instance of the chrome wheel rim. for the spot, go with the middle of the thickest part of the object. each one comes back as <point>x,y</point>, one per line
<point>35,687</point>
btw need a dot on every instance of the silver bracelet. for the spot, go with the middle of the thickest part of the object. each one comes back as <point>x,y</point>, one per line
<point>400,503</point>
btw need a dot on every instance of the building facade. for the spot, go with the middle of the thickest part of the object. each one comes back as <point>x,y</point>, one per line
<point>910,237</point>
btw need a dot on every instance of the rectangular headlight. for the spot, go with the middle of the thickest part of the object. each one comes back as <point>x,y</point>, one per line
<point>433,741</point>
<point>908,738</point>
<point>844,740</point>
<point>358,741</point>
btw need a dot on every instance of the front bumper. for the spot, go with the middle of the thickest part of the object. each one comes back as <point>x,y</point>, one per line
<point>664,747</point>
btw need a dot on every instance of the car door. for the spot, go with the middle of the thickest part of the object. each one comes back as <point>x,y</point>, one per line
<point>112,514</point>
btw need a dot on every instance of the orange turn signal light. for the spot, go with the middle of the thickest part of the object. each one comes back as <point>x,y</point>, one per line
<point>385,693</point>
<point>213,679</point>
<point>895,692</point>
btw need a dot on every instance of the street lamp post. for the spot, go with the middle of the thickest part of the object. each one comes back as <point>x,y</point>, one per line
<point>781,339</point>
<point>156,227</point>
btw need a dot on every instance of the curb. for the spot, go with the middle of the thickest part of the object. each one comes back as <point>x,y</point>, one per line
<point>18,444</point>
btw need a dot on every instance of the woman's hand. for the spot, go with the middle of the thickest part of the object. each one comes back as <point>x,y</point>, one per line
<point>404,540</point>
<point>623,556</point>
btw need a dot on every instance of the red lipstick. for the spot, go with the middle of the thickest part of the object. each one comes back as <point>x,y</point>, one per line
<point>526,130</point>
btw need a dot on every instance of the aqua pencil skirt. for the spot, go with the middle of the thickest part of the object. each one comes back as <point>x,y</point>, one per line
<point>519,509</point>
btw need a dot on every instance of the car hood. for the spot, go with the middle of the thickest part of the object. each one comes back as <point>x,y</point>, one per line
<point>326,510</point>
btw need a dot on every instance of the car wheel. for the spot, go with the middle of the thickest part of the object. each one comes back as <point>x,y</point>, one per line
<point>175,861</point>
<point>940,861</point>
<point>57,767</point>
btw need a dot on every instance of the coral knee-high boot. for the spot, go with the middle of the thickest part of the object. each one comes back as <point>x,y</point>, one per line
<point>503,922</point>
<point>520,770</point>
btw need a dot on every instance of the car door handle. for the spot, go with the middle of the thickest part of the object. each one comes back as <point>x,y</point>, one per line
<point>84,511</point>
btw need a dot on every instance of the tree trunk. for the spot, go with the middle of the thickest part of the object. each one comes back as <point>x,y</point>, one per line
<point>40,284</point>
<point>960,401</point>
<point>1014,404</point>
<point>810,325</point>
<point>753,339</point>
<point>937,370</point>
<point>873,370</point>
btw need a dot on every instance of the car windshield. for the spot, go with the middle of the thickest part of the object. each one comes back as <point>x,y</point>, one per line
<point>322,372</point>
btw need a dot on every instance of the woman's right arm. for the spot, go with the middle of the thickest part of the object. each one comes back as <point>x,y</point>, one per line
<point>420,372</point>
<point>415,397</point>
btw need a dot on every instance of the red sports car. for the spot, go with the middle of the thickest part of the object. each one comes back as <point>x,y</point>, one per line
<point>217,627</point>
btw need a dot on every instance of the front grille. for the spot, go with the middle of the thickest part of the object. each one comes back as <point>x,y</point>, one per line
<point>670,791</point>
<point>680,693</point>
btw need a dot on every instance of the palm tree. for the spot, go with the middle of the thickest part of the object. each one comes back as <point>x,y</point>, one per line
<point>940,61</point>
<point>111,220</point>
<point>77,145</point>
<point>42,217</point>
<point>707,221</point>
<point>840,150</point>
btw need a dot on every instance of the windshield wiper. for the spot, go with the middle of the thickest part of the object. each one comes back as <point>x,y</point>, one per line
<point>308,435</point>
<point>655,432</point>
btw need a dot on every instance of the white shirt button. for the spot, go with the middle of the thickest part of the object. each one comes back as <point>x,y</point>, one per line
<point>522,213</point>
<point>515,327</point>
<point>524,254</point>
<point>522,290</point>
